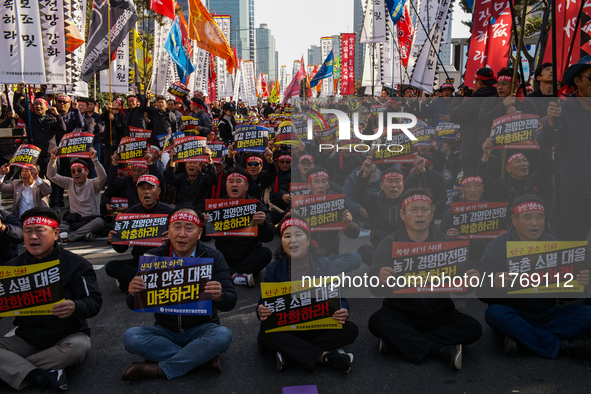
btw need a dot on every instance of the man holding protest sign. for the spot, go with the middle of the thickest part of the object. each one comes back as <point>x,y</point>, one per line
<point>178,343</point>
<point>163,121</point>
<point>83,219</point>
<point>306,347</point>
<point>116,128</point>
<point>537,323</point>
<point>29,192</point>
<point>44,345</point>
<point>418,327</point>
<point>245,254</point>
<point>148,190</point>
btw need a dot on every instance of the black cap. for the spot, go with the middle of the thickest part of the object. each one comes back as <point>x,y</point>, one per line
<point>229,107</point>
<point>486,75</point>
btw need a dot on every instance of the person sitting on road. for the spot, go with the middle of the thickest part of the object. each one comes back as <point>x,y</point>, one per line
<point>295,259</point>
<point>148,190</point>
<point>176,344</point>
<point>83,220</point>
<point>28,192</point>
<point>44,345</point>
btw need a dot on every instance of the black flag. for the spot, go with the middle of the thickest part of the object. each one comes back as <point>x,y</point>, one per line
<point>123,17</point>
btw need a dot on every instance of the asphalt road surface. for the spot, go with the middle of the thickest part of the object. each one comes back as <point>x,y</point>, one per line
<point>485,368</point>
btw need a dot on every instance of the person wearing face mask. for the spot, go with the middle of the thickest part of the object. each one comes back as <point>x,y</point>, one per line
<point>245,255</point>
<point>148,190</point>
<point>83,220</point>
<point>295,259</point>
<point>418,327</point>
<point>176,344</point>
<point>28,192</point>
<point>382,207</point>
<point>537,324</point>
<point>193,186</point>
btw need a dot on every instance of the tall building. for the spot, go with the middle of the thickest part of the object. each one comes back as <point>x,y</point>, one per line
<point>265,52</point>
<point>359,48</point>
<point>242,24</point>
<point>446,47</point>
<point>314,55</point>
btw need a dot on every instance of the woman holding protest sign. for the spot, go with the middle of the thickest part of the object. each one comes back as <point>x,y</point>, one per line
<point>302,342</point>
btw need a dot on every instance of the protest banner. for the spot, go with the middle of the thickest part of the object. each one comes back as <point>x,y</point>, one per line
<point>140,229</point>
<point>447,130</point>
<point>231,218</point>
<point>218,150</point>
<point>30,289</point>
<point>286,135</point>
<point>322,212</point>
<point>299,189</point>
<point>118,203</point>
<point>189,149</point>
<point>391,153</point>
<point>25,156</point>
<point>76,145</point>
<point>424,135</point>
<point>481,220</point>
<point>420,262</point>
<point>136,132</point>
<point>177,89</point>
<point>174,285</point>
<point>451,194</point>
<point>132,149</point>
<point>166,141</point>
<point>516,131</point>
<point>297,308</point>
<point>190,123</point>
<point>545,268</point>
<point>251,138</point>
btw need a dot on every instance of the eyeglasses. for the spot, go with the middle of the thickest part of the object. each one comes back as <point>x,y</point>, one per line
<point>588,76</point>
<point>253,164</point>
<point>62,102</point>
<point>76,171</point>
<point>285,161</point>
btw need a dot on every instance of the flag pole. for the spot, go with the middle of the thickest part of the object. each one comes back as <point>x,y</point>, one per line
<point>109,63</point>
<point>554,74</point>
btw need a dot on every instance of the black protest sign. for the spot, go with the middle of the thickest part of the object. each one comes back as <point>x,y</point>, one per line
<point>76,145</point>
<point>132,149</point>
<point>29,290</point>
<point>174,285</point>
<point>140,229</point>
<point>479,220</point>
<point>297,308</point>
<point>189,149</point>
<point>447,130</point>
<point>516,131</point>
<point>251,138</point>
<point>218,150</point>
<point>231,218</point>
<point>397,150</point>
<point>136,132</point>
<point>177,89</point>
<point>25,156</point>
<point>322,212</point>
<point>299,189</point>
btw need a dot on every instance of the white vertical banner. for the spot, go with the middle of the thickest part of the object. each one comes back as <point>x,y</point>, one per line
<point>423,74</point>
<point>374,22</point>
<point>327,83</point>
<point>54,39</point>
<point>77,87</point>
<point>372,75</point>
<point>427,13</point>
<point>119,71</point>
<point>282,81</point>
<point>249,82</point>
<point>160,67</point>
<point>223,87</point>
<point>236,92</point>
<point>388,59</point>
<point>21,43</point>
<point>201,69</point>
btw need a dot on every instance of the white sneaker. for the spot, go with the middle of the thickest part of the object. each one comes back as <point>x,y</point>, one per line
<point>244,280</point>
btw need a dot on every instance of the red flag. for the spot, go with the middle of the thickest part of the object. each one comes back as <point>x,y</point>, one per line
<point>406,32</point>
<point>585,24</point>
<point>294,87</point>
<point>212,79</point>
<point>163,7</point>
<point>490,43</point>
<point>567,12</point>
<point>264,86</point>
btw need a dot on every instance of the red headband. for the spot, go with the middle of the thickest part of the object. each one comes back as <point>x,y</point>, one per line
<point>515,156</point>
<point>284,157</point>
<point>472,179</point>
<point>415,197</point>
<point>294,222</point>
<point>140,165</point>
<point>133,99</point>
<point>237,175</point>
<point>505,78</point>
<point>255,158</point>
<point>41,99</point>
<point>315,175</point>
<point>527,206</point>
<point>79,165</point>
<point>392,174</point>
<point>150,179</point>
<point>40,220</point>
<point>64,97</point>
<point>186,217</point>
<point>307,157</point>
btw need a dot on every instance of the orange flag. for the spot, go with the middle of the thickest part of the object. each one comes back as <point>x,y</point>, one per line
<point>208,35</point>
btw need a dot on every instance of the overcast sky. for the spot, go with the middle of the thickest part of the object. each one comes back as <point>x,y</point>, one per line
<point>297,25</point>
